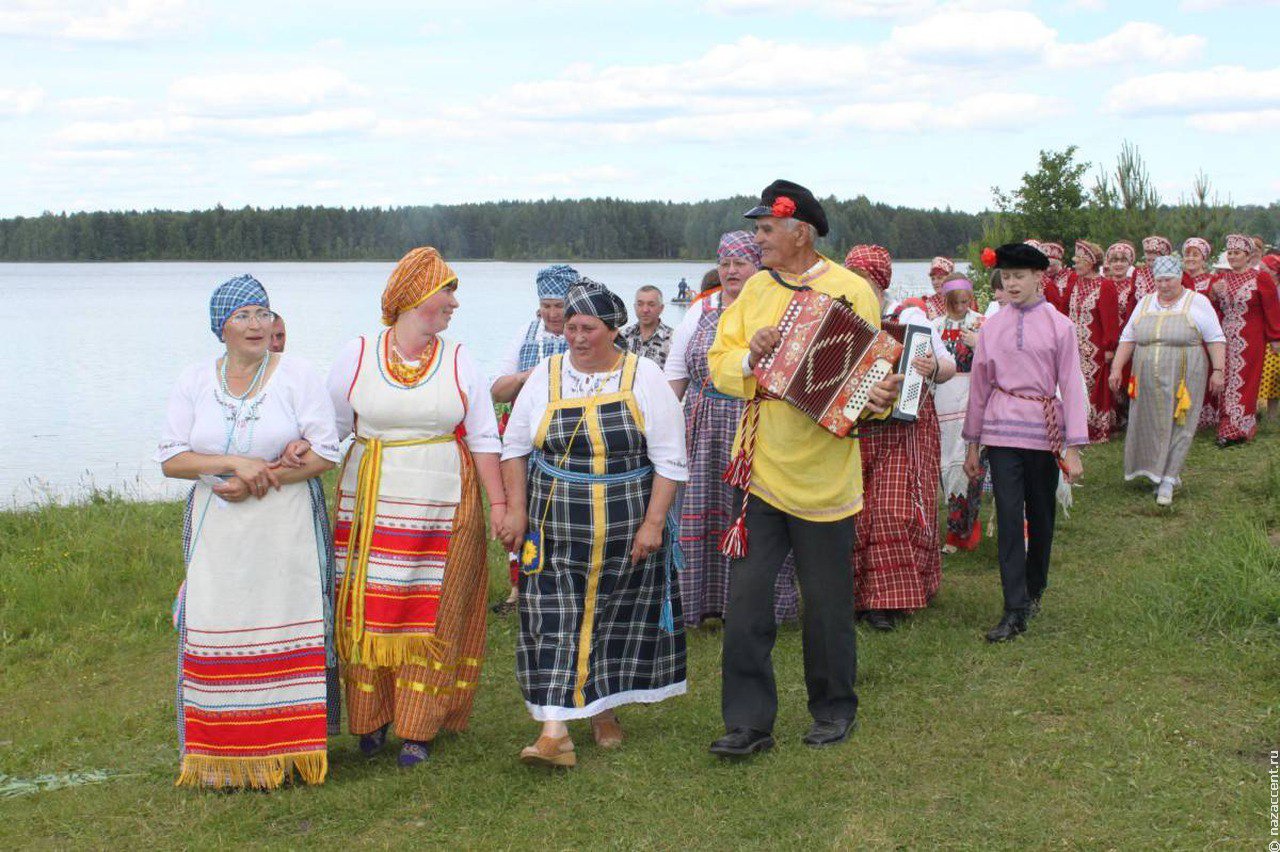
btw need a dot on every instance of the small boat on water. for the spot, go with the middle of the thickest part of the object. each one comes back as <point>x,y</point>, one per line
<point>684,295</point>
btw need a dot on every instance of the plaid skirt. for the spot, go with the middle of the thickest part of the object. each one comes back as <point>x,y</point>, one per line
<point>896,560</point>
<point>708,506</point>
<point>590,634</point>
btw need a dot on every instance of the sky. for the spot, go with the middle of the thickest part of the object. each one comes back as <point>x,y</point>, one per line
<point>177,104</point>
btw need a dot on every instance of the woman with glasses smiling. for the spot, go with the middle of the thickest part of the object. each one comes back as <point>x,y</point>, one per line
<point>257,692</point>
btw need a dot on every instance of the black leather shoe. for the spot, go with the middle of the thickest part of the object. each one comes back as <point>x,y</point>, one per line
<point>826,732</point>
<point>741,742</point>
<point>1009,627</point>
<point>1034,609</point>
<point>880,619</point>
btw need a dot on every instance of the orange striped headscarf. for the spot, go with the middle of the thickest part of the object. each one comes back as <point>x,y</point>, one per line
<point>418,276</point>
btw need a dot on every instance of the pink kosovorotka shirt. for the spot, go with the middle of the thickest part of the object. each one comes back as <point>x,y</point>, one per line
<point>1031,351</point>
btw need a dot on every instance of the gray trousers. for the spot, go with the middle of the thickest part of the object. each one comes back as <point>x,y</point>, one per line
<point>824,567</point>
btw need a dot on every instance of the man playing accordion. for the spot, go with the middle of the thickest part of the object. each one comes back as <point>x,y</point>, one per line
<point>803,487</point>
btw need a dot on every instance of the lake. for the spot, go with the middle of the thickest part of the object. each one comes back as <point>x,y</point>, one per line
<point>91,349</point>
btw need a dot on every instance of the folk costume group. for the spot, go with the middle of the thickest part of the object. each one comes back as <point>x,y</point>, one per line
<point>644,484</point>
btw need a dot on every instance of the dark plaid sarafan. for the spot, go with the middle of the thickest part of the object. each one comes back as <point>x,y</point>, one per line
<point>589,620</point>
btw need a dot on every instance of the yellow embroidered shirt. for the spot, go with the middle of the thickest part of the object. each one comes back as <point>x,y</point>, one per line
<point>799,467</point>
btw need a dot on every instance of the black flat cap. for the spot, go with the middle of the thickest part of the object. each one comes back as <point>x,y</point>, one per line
<point>1021,256</point>
<point>803,205</point>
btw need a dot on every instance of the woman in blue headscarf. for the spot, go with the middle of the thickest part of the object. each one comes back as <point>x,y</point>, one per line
<point>258,690</point>
<point>591,459</point>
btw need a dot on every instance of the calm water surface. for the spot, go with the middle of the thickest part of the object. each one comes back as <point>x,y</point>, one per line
<point>90,350</point>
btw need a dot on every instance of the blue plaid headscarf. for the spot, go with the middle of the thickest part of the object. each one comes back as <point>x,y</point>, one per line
<point>231,297</point>
<point>594,299</point>
<point>1166,266</point>
<point>554,281</point>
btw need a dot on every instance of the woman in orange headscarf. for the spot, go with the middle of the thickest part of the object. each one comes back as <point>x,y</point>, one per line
<point>410,536</point>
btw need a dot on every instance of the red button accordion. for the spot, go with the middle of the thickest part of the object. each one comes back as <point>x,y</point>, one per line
<point>828,360</point>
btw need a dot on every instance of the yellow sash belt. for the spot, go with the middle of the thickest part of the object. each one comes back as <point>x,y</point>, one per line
<point>350,631</point>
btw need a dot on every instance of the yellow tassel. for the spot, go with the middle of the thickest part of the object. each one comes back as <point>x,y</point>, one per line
<point>1133,387</point>
<point>1183,404</point>
<point>377,650</point>
<point>261,773</point>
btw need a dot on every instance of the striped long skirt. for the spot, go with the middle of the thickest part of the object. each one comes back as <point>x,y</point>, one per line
<point>708,506</point>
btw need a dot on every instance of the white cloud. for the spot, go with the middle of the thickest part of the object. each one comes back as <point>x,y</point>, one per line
<point>1136,41</point>
<point>956,35</point>
<point>1236,121</point>
<point>139,131</point>
<point>1224,88</point>
<point>991,109</point>
<point>319,123</point>
<point>98,155</point>
<point>828,8</point>
<point>1214,5</point>
<point>16,102</point>
<point>288,164</point>
<point>96,106</point>
<point>143,132</point>
<point>243,94</point>
<point>95,20</point>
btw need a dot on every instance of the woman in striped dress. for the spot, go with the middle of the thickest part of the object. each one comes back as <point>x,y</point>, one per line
<point>711,420</point>
<point>258,689</point>
<point>410,538</point>
<point>592,457</point>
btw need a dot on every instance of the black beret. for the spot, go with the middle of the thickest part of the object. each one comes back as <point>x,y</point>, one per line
<point>807,208</point>
<point>1021,256</point>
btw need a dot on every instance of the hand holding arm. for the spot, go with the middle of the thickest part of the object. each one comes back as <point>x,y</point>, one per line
<point>515,522</point>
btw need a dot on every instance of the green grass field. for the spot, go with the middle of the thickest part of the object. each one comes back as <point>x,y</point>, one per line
<point>1138,713</point>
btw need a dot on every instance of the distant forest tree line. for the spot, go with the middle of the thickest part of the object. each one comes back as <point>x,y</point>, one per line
<point>1052,203</point>
<point>586,229</point>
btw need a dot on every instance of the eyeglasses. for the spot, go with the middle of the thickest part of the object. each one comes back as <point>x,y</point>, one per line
<point>244,317</point>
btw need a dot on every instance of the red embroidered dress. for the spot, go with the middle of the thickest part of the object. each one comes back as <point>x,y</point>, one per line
<point>1144,283</point>
<point>1055,288</point>
<point>1093,307</point>
<point>1126,297</point>
<point>935,305</point>
<point>1250,312</point>
<point>1202,284</point>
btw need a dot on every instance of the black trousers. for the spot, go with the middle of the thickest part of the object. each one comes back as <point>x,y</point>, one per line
<point>1025,483</point>
<point>824,567</point>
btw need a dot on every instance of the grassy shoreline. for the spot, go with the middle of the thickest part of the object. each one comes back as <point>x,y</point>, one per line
<point>1138,713</point>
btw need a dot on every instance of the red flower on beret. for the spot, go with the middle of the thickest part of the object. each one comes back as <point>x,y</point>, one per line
<point>783,207</point>
<point>988,257</point>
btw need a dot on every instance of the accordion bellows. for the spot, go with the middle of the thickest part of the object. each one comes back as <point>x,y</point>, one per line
<point>828,360</point>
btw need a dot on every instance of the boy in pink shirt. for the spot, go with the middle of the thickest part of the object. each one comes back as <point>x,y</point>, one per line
<point>1027,407</point>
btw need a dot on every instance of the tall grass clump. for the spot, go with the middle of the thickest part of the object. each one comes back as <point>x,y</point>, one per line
<point>1228,578</point>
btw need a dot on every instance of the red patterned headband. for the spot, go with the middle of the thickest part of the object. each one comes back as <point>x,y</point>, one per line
<point>873,260</point>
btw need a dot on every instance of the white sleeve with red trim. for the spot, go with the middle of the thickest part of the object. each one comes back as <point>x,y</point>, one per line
<point>479,422</point>
<point>342,375</point>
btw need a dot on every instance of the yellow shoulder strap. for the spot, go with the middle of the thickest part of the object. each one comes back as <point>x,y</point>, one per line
<point>553,377</point>
<point>630,362</point>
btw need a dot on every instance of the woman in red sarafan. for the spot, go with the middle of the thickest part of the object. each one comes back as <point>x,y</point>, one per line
<point>1094,308</point>
<point>1118,269</point>
<point>1246,300</point>
<point>1055,277</point>
<point>1197,276</point>
<point>1143,281</point>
